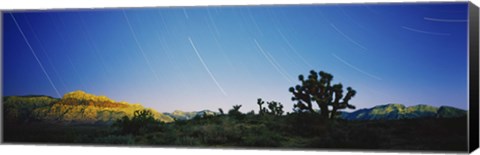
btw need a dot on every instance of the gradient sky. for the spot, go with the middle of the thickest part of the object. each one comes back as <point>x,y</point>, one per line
<point>195,58</point>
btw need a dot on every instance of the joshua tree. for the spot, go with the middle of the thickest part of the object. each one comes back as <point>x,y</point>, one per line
<point>318,88</point>
<point>221,111</point>
<point>275,108</point>
<point>261,109</point>
<point>141,120</point>
<point>235,111</point>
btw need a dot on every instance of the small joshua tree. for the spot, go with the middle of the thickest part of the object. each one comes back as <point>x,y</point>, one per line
<point>261,109</point>
<point>235,111</point>
<point>221,111</point>
<point>274,108</point>
<point>141,120</point>
<point>318,88</point>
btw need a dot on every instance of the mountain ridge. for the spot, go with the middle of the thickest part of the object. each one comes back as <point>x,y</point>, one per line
<point>73,107</point>
<point>183,115</point>
<point>81,107</point>
<point>396,111</point>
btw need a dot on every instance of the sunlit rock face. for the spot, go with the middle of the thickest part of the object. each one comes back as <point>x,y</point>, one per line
<point>74,107</point>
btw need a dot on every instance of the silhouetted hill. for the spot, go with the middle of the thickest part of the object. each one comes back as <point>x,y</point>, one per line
<point>400,111</point>
<point>81,107</point>
<point>448,112</point>
<point>73,107</point>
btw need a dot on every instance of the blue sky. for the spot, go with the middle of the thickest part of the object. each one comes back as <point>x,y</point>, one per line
<point>195,58</point>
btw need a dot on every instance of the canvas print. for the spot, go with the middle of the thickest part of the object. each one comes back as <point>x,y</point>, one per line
<point>320,76</point>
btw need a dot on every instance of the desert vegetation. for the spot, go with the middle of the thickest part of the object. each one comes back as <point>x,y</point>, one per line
<point>80,118</point>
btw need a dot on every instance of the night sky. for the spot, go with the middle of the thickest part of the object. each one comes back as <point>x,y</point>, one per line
<point>195,58</point>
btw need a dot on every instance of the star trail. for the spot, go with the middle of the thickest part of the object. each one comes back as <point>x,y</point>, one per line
<point>195,58</point>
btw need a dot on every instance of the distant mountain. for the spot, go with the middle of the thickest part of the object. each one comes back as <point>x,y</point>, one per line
<point>73,107</point>
<point>181,115</point>
<point>81,107</point>
<point>448,112</point>
<point>400,111</point>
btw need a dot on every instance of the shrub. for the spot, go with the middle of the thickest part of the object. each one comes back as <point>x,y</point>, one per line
<point>115,139</point>
<point>142,121</point>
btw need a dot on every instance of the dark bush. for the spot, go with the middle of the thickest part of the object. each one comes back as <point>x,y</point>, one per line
<point>142,121</point>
